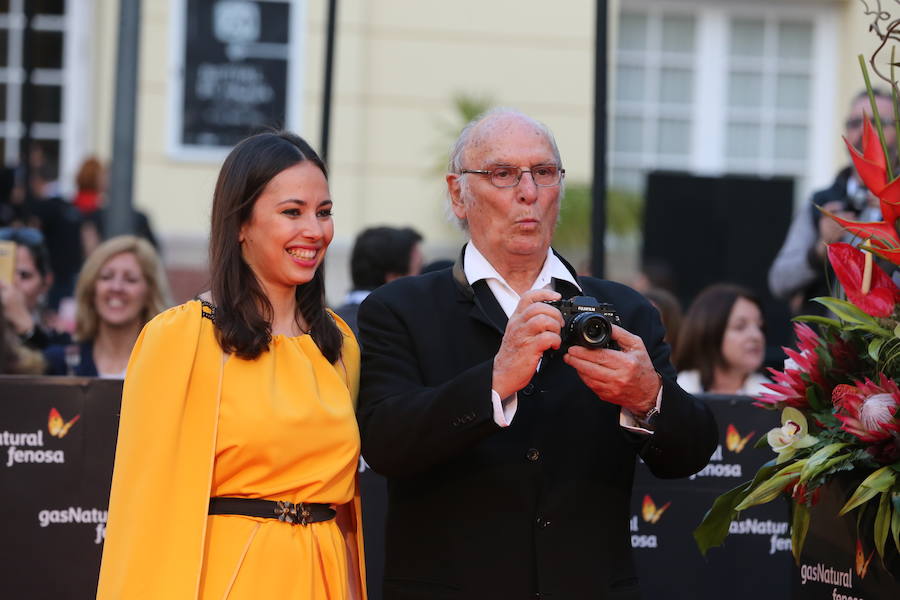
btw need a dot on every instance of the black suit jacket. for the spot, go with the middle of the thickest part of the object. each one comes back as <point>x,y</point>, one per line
<point>536,510</point>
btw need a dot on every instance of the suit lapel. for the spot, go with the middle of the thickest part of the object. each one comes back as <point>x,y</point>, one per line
<point>484,307</point>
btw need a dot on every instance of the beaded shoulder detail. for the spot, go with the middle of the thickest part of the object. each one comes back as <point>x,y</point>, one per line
<point>208,310</point>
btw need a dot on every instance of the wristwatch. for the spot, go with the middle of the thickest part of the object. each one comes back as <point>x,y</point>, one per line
<point>649,419</point>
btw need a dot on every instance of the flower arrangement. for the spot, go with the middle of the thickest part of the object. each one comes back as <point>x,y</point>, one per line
<point>838,392</point>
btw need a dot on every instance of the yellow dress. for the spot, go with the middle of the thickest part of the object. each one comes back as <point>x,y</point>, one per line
<point>280,427</point>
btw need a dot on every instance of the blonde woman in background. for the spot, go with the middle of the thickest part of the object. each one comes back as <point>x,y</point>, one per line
<point>121,286</point>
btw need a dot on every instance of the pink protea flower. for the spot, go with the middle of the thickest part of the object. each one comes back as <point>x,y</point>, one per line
<point>868,410</point>
<point>790,385</point>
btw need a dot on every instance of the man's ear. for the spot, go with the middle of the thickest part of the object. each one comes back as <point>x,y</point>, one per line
<point>455,192</point>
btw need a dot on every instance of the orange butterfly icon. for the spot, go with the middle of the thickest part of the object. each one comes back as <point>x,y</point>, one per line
<point>733,439</point>
<point>649,511</point>
<point>862,563</point>
<point>57,426</point>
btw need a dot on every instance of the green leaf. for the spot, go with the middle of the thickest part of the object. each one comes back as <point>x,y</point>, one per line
<point>819,461</point>
<point>879,481</point>
<point>882,522</point>
<point>847,311</point>
<point>875,348</point>
<point>799,528</point>
<point>812,398</point>
<point>834,323</point>
<point>713,529</point>
<point>895,520</point>
<point>771,489</point>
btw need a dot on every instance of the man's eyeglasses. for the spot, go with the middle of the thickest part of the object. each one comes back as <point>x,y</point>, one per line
<point>507,177</point>
<point>857,122</point>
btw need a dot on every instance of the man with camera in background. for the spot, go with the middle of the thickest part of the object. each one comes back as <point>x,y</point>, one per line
<point>510,448</point>
<point>799,271</point>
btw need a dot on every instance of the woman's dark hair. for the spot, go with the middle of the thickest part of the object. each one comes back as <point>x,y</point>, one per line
<point>33,240</point>
<point>243,312</point>
<point>700,338</point>
<point>669,311</point>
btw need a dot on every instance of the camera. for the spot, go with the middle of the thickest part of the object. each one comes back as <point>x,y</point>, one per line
<point>588,322</point>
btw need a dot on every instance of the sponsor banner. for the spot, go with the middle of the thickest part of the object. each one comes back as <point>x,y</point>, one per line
<point>836,564</point>
<point>754,562</point>
<point>57,445</point>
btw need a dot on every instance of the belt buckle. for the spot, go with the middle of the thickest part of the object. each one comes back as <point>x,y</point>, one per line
<point>295,514</point>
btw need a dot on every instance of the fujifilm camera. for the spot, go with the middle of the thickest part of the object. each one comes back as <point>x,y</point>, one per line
<point>588,322</point>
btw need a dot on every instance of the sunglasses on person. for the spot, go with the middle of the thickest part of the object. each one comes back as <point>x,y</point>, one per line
<point>857,122</point>
<point>25,236</point>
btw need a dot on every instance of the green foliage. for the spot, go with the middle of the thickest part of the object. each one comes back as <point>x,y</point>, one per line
<point>465,108</point>
<point>624,215</point>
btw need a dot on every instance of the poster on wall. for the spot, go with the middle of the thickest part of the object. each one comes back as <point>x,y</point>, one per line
<point>234,71</point>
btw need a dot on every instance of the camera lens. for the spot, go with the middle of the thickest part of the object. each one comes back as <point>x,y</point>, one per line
<point>592,330</point>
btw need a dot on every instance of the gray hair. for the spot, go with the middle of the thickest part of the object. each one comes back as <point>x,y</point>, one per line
<point>465,138</point>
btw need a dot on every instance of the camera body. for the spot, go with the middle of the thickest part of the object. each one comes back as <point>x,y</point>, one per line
<point>588,322</point>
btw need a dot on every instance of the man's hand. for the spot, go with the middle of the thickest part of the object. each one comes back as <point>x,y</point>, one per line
<point>532,329</point>
<point>625,377</point>
<point>830,231</point>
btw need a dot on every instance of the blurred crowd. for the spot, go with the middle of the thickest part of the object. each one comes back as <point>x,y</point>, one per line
<point>74,302</point>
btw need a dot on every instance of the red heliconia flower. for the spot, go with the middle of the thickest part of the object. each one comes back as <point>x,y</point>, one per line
<point>868,410</point>
<point>872,169</point>
<point>848,264</point>
<point>790,386</point>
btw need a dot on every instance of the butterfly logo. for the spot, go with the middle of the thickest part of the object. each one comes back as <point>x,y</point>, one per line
<point>57,426</point>
<point>862,563</point>
<point>733,440</point>
<point>649,511</point>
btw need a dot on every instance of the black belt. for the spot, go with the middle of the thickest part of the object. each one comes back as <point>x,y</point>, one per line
<point>301,513</point>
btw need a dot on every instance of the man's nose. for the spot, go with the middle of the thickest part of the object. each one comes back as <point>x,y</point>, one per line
<point>526,188</point>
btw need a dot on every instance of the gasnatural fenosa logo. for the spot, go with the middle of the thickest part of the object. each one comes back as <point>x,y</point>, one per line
<point>733,440</point>
<point>649,510</point>
<point>28,447</point>
<point>57,426</point>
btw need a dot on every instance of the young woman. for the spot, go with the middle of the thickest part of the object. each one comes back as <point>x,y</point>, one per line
<point>721,343</point>
<point>121,287</point>
<point>235,471</point>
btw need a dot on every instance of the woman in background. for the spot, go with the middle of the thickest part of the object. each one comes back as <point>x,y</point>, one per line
<point>235,473</point>
<point>722,343</point>
<point>121,286</point>
<point>23,300</point>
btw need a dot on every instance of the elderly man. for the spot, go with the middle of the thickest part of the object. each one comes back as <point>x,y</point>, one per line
<point>509,459</point>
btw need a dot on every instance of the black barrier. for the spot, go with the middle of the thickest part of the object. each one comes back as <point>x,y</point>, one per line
<point>754,562</point>
<point>57,437</point>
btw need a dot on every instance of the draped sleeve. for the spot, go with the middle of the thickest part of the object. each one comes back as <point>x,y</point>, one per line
<point>164,459</point>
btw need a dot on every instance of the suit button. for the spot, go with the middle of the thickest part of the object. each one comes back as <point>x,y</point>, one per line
<point>543,523</point>
<point>533,454</point>
<point>528,389</point>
